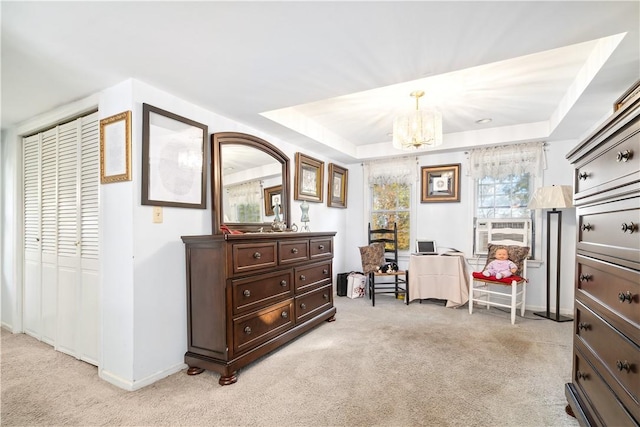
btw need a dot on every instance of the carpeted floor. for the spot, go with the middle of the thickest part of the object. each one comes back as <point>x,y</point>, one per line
<point>389,365</point>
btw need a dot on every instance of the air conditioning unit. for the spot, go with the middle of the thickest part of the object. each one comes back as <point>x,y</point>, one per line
<point>501,231</point>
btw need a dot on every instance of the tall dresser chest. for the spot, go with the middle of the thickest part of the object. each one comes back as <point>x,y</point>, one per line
<point>605,386</point>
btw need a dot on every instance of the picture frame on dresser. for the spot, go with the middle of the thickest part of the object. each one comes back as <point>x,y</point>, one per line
<point>173,160</point>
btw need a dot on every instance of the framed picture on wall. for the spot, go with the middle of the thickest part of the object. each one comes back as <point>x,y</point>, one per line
<point>173,160</point>
<point>309,179</point>
<point>337,192</point>
<point>115,148</point>
<point>440,183</point>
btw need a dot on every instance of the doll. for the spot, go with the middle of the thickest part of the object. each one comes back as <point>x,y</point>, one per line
<point>501,266</point>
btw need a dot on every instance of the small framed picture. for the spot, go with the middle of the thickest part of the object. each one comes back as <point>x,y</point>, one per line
<point>337,192</point>
<point>440,183</point>
<point>309,179</point>
<point>272,197</point>
<point>173,160</point>
<point>115,148</point>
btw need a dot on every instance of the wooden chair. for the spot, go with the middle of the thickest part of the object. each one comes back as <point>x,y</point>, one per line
<point>395,282</point>
<point>509,292</point>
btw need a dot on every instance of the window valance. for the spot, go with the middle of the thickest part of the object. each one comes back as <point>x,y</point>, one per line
<point>390,171</point>
<point>505,160</point>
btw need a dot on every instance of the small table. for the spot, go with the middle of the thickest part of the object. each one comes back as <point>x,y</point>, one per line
<point>439,276</point>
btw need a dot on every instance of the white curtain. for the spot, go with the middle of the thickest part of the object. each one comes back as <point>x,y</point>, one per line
<point>391,171</point>
<point>505,160</point>
<point>248,193</point>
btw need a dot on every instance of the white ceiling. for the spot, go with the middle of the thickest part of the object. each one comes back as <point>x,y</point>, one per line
<point>330,76</point>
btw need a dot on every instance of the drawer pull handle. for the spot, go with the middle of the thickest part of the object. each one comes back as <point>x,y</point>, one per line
<point>585,277</point>
<point>623,366</point>
<point>303,277</point>
<point>625,296</point>
<point>325,296</point>
<point>294,250</point>
<point>583,175</point>
<point>624,156</point>
<point>587,227</point>
<point>582,375</point>
<point>257,255</point>
<point>631,227</point>
<point>584,326</point>
<point>246,293</point>
<point>321,247</point>
<point>284,315</point>
<point>303,306</point>
<point>325,271</point>
<point>247,330</point>
<point>283,283</point>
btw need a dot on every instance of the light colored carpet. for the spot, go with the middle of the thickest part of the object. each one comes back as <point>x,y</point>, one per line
<point>389,365</point>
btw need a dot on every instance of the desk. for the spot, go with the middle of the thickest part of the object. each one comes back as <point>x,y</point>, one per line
<point>439,276</point>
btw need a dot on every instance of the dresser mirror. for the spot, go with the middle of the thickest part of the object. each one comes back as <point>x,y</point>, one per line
<point>244,167</point>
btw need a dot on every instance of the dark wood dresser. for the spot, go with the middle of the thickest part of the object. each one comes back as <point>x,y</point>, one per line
<point>605,387</point>
<point>249,294</point>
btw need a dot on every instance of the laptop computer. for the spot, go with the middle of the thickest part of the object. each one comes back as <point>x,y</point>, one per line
<point>426,247</point>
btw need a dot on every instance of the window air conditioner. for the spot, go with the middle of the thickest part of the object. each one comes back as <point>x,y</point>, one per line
<point>501,231</point>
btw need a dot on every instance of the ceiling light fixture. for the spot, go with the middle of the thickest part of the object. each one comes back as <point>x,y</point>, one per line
<point>418,128</point>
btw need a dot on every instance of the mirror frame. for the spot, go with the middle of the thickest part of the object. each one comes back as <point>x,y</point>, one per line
<point>236,138</point>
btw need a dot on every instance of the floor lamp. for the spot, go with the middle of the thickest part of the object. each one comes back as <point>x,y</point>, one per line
<point>551,199</point>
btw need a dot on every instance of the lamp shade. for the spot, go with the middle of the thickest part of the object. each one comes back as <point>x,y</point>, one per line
<point>556,196</point>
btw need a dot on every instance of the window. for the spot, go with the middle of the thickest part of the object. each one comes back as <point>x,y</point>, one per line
<point>392,203</point>
<point>390,195</point>
<point>505,197</point>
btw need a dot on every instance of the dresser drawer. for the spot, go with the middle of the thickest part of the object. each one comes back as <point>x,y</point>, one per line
<point>617,354</point>
<point>255,328</point>
<point>312,276</point>
<point>617,166</point>
<point>293,251</point>
<point>615,289</point>
<point>599,396</point>
<point>253,292</point>
<point>321,248</point>
<point>311,303</point>
<point>611,229</point>
<point>253,256</point>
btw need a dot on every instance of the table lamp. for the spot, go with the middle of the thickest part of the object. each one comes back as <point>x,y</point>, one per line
<point>551,199</point>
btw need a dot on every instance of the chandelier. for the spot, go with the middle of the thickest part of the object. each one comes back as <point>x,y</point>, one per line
<point>418,128</point>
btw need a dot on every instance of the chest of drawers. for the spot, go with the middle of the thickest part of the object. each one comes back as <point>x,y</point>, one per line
<point>605,386</point>
<point>249,294</point>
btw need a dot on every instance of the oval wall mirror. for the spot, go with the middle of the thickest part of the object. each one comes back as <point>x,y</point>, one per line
<point>250,183</point>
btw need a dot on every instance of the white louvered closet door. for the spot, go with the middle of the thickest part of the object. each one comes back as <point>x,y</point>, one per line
<point>62,280</point>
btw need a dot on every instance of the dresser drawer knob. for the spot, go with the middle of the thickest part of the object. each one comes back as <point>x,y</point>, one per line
<point>582,375</point>
<point>586,227</point>
<point>623,366</point>
<point>585,277</point>
<point>321,247</point>
<point>583,175</point>
<point>325,296</point>
<point>303,306</point>
<point>246,293</point>
<point>283,283</point>
<point>257,255</point>
<point>303,277</point>
<point>294,250</point>
<point>247,330</point>
<point>631,227</point>
<point>625,297</point>
<point>624,156</point>
<point>584,326</point>
<point>284,315</point>
<point>325,271</point>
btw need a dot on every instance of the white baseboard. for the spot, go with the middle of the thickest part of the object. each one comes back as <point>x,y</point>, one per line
<point>129,385</point>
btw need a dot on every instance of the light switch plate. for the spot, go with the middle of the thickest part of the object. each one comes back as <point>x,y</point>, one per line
<point>157,214</point>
